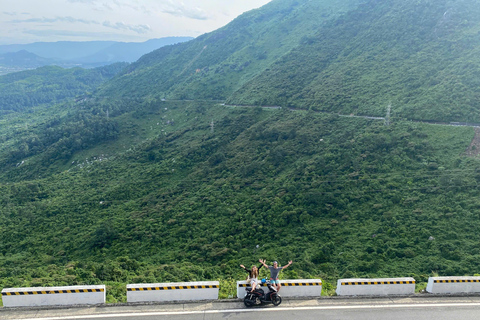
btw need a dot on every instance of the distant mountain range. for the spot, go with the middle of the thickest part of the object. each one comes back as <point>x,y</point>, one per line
<point>84,54</point>
<point>24,58</point>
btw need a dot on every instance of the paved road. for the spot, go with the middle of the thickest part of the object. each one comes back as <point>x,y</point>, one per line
<point>464,308</point>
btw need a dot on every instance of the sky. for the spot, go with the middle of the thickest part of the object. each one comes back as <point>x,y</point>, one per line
<point>27,21</point>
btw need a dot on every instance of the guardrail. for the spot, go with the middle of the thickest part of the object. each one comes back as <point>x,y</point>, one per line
<point>38,296</point>
<point>387,286</point>
<point>179,291</point>
<point>209,290</point>
<point>290,288</point>
<point>453,285</point>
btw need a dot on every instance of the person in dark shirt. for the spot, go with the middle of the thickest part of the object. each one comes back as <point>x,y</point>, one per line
<point>252,275</point>
<point>274,271</point>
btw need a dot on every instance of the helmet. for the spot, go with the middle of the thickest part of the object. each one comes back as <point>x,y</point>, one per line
<point>263,280</point>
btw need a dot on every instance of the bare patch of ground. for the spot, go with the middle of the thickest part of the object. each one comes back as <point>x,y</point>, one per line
<point>474,149</point>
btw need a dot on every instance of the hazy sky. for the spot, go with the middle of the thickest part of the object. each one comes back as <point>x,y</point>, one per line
<point>25,21</point>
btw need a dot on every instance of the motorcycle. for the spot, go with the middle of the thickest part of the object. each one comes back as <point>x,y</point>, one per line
<point>259,297</point>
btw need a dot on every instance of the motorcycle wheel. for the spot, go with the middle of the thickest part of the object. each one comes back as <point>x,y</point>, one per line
<point>248,303</point>
<point>276,300</point>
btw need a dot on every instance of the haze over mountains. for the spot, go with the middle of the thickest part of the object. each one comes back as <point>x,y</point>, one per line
<point>84,54</point>
<point>138,174</point>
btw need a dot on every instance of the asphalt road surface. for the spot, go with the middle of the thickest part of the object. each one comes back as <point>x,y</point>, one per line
<point>424,308</point>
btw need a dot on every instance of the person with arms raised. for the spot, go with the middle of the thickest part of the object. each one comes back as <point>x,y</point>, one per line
<point>252,275</point>
<point>274,271</point>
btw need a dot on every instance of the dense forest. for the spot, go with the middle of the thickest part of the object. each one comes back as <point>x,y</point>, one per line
<point>342,197</point>
<point>127,181</point>
<point>216,64</point>
<point>348,57</point>
<point>21,91</point>
<point>423,56</point>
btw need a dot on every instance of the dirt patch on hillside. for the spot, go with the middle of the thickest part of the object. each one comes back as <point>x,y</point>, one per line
<point>474,149</point>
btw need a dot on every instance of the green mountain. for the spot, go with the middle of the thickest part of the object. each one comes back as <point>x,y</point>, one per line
<point>216,64</point>
<point>93,51</point>
<point>134,183</point>
<point>23,59</point>
<point>128,51</point>
<point>50,85</point>
<point>422,56</point>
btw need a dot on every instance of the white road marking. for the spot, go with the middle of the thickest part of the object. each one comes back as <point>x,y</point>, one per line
<point>277,309</point>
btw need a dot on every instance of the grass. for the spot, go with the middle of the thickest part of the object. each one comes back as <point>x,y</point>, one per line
<point>228,288</point>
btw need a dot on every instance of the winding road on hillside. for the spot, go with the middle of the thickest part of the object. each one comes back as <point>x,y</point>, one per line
<point>396,308</point>
<point>462,124</point>
<point>472,151</point>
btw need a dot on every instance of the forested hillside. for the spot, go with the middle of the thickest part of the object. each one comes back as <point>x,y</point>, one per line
<point>51,85</point>
<point>340,196</point>
<point>353,57</point>
<point>214,65</point>
<point>23,59</point>
<point>128,185</point>
<point>423,56</point>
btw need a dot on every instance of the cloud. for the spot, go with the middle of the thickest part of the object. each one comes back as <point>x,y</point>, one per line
<point>68,33</point>
<point>132,20</point>
<point>181,10</point>
<point>139,28</point>
<point>111,5</point>
<point>52,32</point>
<point>54,20</point>
<point>81,35</point>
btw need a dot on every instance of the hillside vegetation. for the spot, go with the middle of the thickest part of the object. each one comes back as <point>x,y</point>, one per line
<point>128,185</point>
<point>349,57</point>
<point>21,91</point>
<point>340,196</point>
<point>214,65</point>
<point>423,56</point>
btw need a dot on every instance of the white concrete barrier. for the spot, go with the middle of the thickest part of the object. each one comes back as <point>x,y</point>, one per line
<point>453,284</point>
<point>51,296</point>
<point>290,288</point>
<point>388,286</point>
<point>179,291</point>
